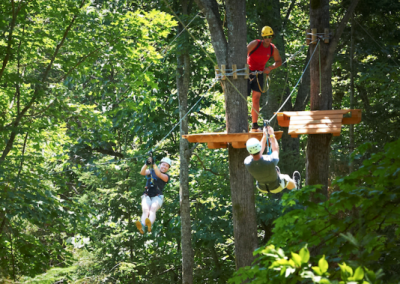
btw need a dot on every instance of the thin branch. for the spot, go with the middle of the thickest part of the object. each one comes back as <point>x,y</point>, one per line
<point>204,167</point>
<point>288,13</point>
<point>10,34</point>
<point>36,94</point>
<point>339,31</point>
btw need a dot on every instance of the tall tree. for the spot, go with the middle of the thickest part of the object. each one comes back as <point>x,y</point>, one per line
<point>230,48</point>
<point>182,82</point>
<point>318,145</point>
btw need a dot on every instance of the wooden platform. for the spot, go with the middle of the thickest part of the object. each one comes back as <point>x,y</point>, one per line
<point>317,121</point>
<point>221,139</point>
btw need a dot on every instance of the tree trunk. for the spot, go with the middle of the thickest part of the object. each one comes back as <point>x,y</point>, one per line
<point>243,201</point>
<point>182,82</point>
<point>318,146</point>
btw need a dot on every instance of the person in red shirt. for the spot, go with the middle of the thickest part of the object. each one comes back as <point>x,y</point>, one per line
<point>258,54</point>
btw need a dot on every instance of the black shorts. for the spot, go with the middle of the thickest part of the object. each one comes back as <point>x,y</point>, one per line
<point>252,83</point>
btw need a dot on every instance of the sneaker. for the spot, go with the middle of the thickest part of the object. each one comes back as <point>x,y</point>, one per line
<point>278,170</point>
<point>297,179</point>
<point>140,227</point>
<point>148,224</point>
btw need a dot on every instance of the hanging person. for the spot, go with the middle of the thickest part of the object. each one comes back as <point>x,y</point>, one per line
<point>153,197</point>
<point>264,167</point>
<point>258,54</point>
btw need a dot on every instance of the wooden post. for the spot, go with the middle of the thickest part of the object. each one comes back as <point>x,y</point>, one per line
<point>247,71</point>
<point>314,36</point>
<point>223,68</point>
<point>326,35</point>
<point>217,71</point>
<point>308,36</point>
<point>234,68</point>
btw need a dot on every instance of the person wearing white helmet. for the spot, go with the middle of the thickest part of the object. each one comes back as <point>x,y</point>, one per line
<point>258,54</point>
<point>264,167</point>
<point>153,198</point>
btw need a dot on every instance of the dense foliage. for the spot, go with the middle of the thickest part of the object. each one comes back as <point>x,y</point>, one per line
<point>87,88</point>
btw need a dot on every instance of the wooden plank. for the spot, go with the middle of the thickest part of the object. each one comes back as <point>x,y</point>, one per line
<point>217,145</point>
<point>326,35</point>
<point>316,112</point>
<point>238,145</point>
<point>315,131</point>
<point>351,120</point>
<point>314,36</point>
<point>247,71</point>
<point>355,117</point>
<point>308,36</point>
<point>315,126</point>
<point>223,71</point>
<point>315,117</point>
<point>315,121</point>
<point>234,68</point>
<point>283,120</point>
<point>223,137</point>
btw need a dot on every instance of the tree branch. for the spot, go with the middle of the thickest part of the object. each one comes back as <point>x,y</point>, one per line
<point>288,13</point>
<point>334,42</point>
<point>10,34</point>
<point>36,94</point>
<point>204,167</point>
<point>210,10</point>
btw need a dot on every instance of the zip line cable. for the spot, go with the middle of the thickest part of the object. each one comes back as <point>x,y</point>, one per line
<point>294,88</point>
<point>216,63</point>
<point>383,49</point>
<point>230,82</point>
<point>201,97</point>
<point>165,52</point>
<point>112,161</point>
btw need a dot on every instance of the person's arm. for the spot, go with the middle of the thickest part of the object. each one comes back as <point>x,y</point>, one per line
<point>144,171</point>
<point>251,46</point>
<point>162,176</point>
<point>278,61</point>
<point>263,140</point>
<point>272,140</point>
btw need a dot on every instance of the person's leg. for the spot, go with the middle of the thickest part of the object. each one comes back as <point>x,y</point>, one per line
<point>155,205</point>
<point>290,184</point>
<point>256,106</point>
<point>146,204</point>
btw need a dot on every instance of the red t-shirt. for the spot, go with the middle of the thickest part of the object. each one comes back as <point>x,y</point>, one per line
<point>260,57</point>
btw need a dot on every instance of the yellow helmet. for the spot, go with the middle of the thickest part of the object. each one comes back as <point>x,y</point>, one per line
<point>267,31</point>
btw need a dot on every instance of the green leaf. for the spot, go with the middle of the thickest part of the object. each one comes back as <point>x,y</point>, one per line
<point>317,270</point>
<point>325,281</point>
<point>305,255</point>
<point>359,274</point>
<point>323,264</point>
<point>296,259</point>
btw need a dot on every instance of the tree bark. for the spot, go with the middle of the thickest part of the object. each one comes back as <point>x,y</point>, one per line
<point>182,82</point>
<point>243,201</point>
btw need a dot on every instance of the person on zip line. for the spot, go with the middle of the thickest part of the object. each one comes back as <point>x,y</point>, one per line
<point>153,198</point>
<point>264,167</point>
<point>258,54</point>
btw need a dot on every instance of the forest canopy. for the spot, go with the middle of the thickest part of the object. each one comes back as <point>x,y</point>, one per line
<point>88,88</point>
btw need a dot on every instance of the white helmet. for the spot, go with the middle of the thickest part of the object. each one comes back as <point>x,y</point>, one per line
<point>253,146</point>
<point>166,160</point>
